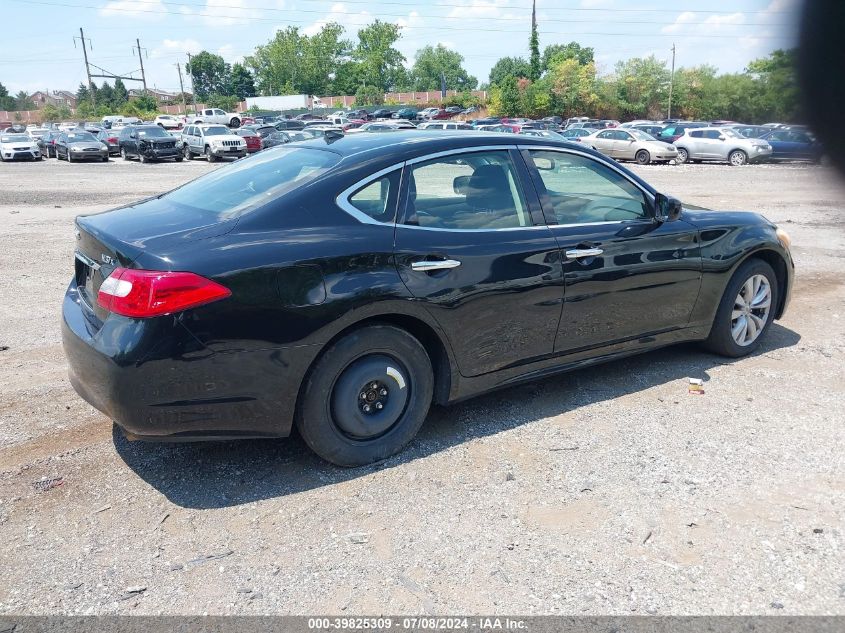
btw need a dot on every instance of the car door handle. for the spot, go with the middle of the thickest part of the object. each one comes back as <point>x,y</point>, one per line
<point>441,264</point>
<point>577,253</point>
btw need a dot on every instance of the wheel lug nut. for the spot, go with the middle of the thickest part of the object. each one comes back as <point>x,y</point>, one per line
<point>367,408</point>
<point>379,405</point>
<point>383,392</point>
<point>374,385</point>
<point>363,395</point>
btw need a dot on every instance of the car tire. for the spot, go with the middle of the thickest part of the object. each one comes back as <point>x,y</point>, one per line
<point>683,156</point>
<point>209,155</point>
<point>187,153</point>
<point>643,157</point>
<point>738,158</point>
<point>143,158</point>
<point>235,122</point>
<point>179,158</point>
<point>729,335</point>
<point>123,153</point>
<point>381,367</point>
<point>68,157</point>
<point>105,159</point>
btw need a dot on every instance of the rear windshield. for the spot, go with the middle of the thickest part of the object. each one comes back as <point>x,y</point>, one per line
<point>248,184</point>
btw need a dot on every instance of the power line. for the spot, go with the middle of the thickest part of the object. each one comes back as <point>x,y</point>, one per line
<point>245,19</point>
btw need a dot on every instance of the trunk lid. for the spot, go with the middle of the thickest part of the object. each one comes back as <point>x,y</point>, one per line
<point>119,237</point>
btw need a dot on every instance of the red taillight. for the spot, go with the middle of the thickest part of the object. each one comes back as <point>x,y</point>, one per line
<point>112,139</point>
<point>150,293</point>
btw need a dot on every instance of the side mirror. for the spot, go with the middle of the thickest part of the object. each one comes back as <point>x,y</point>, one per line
<point>667,208</point>
<point>721,137</point>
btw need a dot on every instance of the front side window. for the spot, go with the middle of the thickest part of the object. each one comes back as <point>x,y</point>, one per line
<point>583,191</point>
<point>608,135</point>
<point>472,191</point>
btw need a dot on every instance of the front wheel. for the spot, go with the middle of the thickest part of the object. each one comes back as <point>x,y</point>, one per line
<point>746,310</point>
<point>209,155</point>
<point>737,158</point>
<point>123,153</point>
<point>366,397</point>
<point>643,157</point>
<point>143,158</point>
<point>187,153</point>
<point>683,156</point>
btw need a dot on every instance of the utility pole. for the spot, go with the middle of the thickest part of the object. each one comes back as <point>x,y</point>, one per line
<point>182,87</point>
<point>671,81</point>
<point>91,88</point>
<point>141,59</point>
<point>193,88</point>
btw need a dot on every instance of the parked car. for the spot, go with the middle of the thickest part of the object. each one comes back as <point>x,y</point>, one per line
<point>751,131</point>
<point>444,125</point>
<point>211,141</point>
<point>674,131</point>
<point>253,140</point>
<point>793,144</point>
<point>498,127</point>
<point>36,132</point>
<point>453,110</point>
<point>294,288</point>
<point>147,143</point>
<point>110,138</point>
<point>652,130</point>
<point>308,116</point>
<point>547,134</point>
<point>289,124</point>
<point>471,110</point>
<point>384,126</point>
<point>80,145</point>
<point>215,115</point>
<point>721,144</point>
<point>19,147</point>
<point>405,113</point>
<point>47,143</point>
<point>575,134</point>
<point>381,113</point>
<point>476,123</point>
<point>637,123</point>
<point>168,122</point>
<point>631,145</point>
<point>283,138</point>
<point>262,131</point>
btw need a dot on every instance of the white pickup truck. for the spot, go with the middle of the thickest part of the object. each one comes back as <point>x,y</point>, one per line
<point>214,115</point>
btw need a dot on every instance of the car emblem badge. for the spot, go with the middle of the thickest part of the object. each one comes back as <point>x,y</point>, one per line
<point>106,259</point>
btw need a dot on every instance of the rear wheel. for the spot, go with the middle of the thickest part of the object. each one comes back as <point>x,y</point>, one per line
<point>643,157</point>
<point>683,156</point>
<point>737,158</point>
<point>746,310</point>
<point>366,397</point>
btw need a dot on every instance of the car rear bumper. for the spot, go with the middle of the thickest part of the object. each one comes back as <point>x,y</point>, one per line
<point>154,378</point>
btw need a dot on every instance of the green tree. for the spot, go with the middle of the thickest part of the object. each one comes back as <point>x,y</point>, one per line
<point>508,67</point>
<point>509,98</point>
<point>105,95</point>
<point>559,52</point>
<point>534,48</point>
<point>120,94</point>
<point>241,82</point>
<point>369,95</point>
<point>348,77</point>
<point>23,102</point>
<point>7,102</point>
<point>380,62</point>
<point>225,102</point>
<point>434,61</point>
<point>84,110</point>
<point>209,74</point>
<point>778,85</point>
<point>83,94</point>
<point>642,87</point>
<point>572,85</point>
<point>146,102</point>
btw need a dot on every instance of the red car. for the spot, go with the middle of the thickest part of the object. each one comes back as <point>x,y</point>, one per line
<point>352,124</point>
<point>253,141</point>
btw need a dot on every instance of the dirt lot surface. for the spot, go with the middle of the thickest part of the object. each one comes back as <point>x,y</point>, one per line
<point>610,490</point>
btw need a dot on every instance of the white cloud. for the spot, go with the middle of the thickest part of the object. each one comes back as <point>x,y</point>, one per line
<point>141,9</point>
<point>683,19</point>
<point>595,4</point>
<point>732,18</point>
<point>340,14</point>
<point>170,48</point>
<point>688,23</point>
<point>227,52</point>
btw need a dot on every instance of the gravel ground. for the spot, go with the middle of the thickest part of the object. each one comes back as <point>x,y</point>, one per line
<point>606,491</point>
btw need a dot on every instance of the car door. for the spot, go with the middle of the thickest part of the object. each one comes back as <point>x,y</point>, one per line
<point>61,146</point>
<point>626,276</point>
<point>801,145</point>
<point>603,142</point>
<point>472,247</point>
<point>623,144</point>
<point>782,148</point>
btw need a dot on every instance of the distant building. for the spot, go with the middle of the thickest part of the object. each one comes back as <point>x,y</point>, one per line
<point>161,96</point>
<point>56,98</point>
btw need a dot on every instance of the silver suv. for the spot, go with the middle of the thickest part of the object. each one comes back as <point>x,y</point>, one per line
<point>211,141</point>
<point>720,144</point>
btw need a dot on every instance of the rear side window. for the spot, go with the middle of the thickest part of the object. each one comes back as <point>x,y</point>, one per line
<point>474,191</point>
<point>712,134</point>
<point>697,134</point>
<point>248,184</point>
<point>377,200</point>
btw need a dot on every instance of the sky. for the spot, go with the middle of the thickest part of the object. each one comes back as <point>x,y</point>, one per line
<point>40,53</point>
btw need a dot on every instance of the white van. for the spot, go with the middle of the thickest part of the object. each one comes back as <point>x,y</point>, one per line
<point>113,121</point>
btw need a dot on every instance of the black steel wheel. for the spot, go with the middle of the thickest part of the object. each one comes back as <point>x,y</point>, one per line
<point>366,397</point>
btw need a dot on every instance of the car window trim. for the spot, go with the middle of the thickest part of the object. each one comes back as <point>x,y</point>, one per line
<point>528,189</point>
<point>342,199</point>
<point>548,212</point>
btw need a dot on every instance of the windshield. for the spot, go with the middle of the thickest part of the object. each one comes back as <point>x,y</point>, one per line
<point>251,183</point>
<point>73,137</point>
<point>218,130</point>
<point>152,132</point>
<point>641,136</point>
<point>15,138</point>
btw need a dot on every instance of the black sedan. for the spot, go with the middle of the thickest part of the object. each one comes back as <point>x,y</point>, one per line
<point>345,284</point>
<point>47,143</point>
<point>148,142</point>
